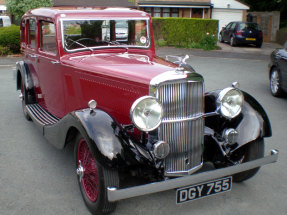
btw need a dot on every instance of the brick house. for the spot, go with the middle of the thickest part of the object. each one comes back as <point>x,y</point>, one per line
<point>156,8</point>
<point>3,9</point>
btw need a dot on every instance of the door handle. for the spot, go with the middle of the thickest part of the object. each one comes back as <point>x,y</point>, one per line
<point>55,62</point>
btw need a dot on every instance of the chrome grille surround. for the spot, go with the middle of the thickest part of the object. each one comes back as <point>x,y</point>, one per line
<point>182,96</point>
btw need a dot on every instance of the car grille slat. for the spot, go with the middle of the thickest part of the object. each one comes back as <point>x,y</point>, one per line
<point>182,100</point>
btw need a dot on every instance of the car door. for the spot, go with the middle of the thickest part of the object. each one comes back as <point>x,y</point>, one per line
<point>225,31</point>
<point>49,69</point>
<point>231,31</point>
<point>29,45</point>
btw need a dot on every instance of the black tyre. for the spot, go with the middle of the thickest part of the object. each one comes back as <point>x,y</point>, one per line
<point>275,82</point>
<point>254,150</point>
<point>23,96</point>
<point>258,45</point>
<point>220,38</point>
<point>232,41</point>
<point>94,179</point>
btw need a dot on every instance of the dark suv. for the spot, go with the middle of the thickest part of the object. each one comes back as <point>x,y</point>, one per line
<point>242,33</point>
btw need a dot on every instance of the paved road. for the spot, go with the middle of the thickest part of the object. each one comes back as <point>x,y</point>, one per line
<point>36,178</point>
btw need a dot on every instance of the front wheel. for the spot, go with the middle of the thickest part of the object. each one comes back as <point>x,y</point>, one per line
<point>254,150</point>
<point>94,179</point>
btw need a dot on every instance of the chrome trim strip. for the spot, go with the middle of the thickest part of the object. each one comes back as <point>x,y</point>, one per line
<point>115,194</point>
<point>40,115</point>
<point>183,173</point>
<point>190,118</point>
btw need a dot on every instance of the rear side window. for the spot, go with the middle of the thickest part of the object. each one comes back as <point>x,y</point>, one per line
<point>48,37</point>
<point>249,26</point>
<point>1,22</point>
<point>32,33</point>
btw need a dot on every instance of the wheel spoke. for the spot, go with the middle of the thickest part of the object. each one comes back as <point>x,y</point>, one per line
<point>90,179</point>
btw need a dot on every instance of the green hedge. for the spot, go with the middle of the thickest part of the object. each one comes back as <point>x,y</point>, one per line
<point>10,38</point>
<point>183,31</point>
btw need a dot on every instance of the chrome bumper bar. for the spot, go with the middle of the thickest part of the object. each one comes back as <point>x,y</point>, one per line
<point>115,194</point>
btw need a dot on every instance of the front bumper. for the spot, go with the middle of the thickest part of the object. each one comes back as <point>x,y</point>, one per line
<point>115,194</point>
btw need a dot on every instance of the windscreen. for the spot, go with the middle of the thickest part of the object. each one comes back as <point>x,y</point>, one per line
<point>89,34</point>
<point>249,26</point>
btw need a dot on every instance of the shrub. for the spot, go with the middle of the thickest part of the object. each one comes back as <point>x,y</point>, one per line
<point>4,51</point>
<point>184,32</point>
<point>10,37</point>
<point>208,42</point>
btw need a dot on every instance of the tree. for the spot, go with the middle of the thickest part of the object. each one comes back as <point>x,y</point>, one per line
<point>268,5</point>
<point>17,8</point>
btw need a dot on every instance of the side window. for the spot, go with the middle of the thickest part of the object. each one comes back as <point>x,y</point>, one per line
<point>48,37</point>
<point>233,26</point>
<point>1,22</point>
<point>32,33</point>
<point>228,26</point>
<point>23,27</point>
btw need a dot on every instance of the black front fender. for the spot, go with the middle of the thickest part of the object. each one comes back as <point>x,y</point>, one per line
<point>106,138</point>
<point>251,124</point>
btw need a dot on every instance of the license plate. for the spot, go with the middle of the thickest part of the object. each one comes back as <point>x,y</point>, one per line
<point>205,189</point>
<point>251,39</point>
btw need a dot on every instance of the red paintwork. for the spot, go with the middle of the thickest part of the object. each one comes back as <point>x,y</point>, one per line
<point>90,180</point>
<point>112,77</point>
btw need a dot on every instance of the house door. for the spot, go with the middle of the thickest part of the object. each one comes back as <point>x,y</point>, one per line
<point>197,13</point>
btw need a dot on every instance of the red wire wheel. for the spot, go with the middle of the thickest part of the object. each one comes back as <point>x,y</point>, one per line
<point>90,177</point>
<point>94,178</point>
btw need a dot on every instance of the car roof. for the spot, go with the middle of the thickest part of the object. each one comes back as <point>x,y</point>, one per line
<point>86,12</point>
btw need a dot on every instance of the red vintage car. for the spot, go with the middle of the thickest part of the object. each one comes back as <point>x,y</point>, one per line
<point>90,77</point>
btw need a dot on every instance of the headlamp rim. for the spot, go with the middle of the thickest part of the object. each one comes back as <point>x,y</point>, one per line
<point>136,102</point>
<point>220,97</point>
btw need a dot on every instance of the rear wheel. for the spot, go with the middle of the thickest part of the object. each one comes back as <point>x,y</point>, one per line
<point>258,45</point>
<point>94,179</point>
<point>23,97</point>
<point>232,41</point>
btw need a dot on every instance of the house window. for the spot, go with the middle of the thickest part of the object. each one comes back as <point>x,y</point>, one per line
<point>174,12</point>
<point>148,10</point>
<point>157,12</point>
<point>32,33</point>
<point>48,37</point>
<point>166,12</point>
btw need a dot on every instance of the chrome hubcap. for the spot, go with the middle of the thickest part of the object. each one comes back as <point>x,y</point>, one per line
<point>274,82</point>
<point>80,171</point>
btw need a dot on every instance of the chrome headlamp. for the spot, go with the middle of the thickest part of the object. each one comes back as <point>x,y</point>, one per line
<point>146,113</point>
<point>229,102</point>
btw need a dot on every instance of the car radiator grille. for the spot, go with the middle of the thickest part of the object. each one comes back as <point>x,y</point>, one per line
<point>182,126</point>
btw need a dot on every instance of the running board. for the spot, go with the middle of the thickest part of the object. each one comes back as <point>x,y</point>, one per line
<point>40,115</point>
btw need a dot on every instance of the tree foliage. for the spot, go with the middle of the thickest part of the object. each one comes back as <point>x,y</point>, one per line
<point>268,5</point>
<point>19,7</point>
